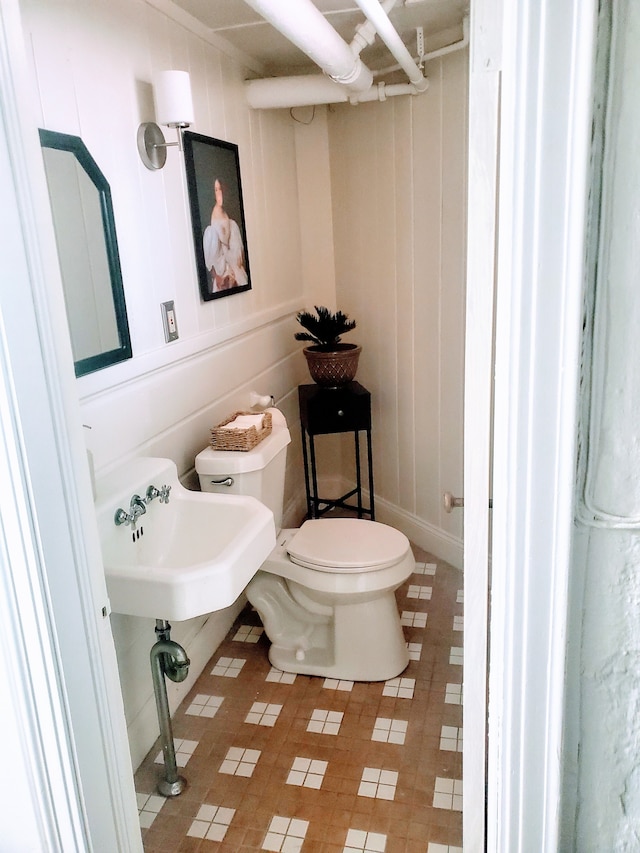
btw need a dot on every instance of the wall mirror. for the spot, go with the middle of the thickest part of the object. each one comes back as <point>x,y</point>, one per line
<point>88,251</point>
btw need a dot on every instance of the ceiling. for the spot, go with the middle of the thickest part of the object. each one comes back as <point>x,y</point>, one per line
<point>274,55</point>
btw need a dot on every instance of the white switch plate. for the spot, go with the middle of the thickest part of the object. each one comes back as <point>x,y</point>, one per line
<point>169,321</point>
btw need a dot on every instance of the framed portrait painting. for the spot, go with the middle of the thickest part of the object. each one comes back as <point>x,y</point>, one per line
<point>217,215</point>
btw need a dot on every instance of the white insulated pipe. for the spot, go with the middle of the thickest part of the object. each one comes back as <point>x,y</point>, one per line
<point>365,34</point>
<point>306,27</point>
<point>274,93</point>
<point>387,32</point>
<point>314,89</point>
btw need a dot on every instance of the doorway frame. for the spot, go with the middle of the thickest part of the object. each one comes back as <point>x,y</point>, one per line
<point>544,155</point>
<point>534,448</point>
<point>69,780</point>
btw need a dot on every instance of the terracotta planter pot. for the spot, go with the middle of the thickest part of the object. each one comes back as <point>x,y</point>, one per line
<point>333,369</point>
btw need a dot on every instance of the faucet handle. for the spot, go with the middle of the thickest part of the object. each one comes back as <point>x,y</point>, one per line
<point>151,494</point>
<point>164,494</point>
<point>121,517</point>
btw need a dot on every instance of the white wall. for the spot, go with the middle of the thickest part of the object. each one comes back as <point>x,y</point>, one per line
<point>399,188</point>
<point>92,67</point>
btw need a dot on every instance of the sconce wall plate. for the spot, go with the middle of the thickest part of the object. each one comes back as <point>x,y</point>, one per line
<point>152,146</point>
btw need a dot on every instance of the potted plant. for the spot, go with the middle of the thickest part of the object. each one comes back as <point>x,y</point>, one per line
<point>331,363</point>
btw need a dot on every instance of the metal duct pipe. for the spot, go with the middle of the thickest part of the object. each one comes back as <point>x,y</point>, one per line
<point>387,32</point>
<point>309,30</point>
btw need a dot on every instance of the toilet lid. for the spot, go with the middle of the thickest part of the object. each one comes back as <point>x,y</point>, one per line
<point>348,544</point>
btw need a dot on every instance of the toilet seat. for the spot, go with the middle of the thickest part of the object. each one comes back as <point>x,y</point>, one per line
<point>346,545</point>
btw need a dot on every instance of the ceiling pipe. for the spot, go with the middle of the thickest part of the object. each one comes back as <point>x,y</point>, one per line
<point>434,54</point>
<point>387,32</point>
<point>302,91</point>
<point>304,25</point>
<point>348,80</point>
<point>313,90</point>
<point>365,33</point>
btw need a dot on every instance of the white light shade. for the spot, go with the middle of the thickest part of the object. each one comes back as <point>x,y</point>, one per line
<point>172,94</point>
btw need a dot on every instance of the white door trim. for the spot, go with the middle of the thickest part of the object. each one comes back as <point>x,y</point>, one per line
<point>70,785</point>
<point>544,167</point>
<point>484,105</point>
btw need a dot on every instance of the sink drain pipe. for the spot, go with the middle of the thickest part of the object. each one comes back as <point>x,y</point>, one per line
<point>170,659</point>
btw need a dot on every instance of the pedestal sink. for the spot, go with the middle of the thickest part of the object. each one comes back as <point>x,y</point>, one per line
<point>178,559</point>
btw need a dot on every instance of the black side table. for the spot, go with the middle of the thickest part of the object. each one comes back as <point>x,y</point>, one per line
<point>332,410</point>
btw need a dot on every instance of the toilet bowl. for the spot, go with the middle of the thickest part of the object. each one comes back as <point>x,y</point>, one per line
<point>326,593</point>
<point>326,597</point>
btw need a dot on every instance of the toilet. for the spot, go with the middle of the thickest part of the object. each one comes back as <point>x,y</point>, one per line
<point>326,593</point>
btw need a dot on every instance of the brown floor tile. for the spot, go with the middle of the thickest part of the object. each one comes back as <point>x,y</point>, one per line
<point>408,821</point>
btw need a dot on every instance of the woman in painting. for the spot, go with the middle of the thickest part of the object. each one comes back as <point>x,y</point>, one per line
<point>222,244</point>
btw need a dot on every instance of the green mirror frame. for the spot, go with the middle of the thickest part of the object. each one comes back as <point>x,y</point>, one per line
<point>75,146</point>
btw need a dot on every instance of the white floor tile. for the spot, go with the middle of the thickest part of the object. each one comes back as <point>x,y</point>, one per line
<point>211,823</point>
<point>240,762</point>
<point>248,634</point>
<point>456,656</point>
<point>262,714</point>
<point>285,834</point>
<point>335,684</point>
<point>448,794</point>
<point>307,773</point>
<point>359,841</point>
<point>453,694</point>
<point>411,619</point>
<point>184,749</point>
<point>451,738</point>
<point>325,722</point>
<point>425,569</point>
<point>228,667</point>
<point>423,593</point>
<point>204,706</point>
<point>378,784</point>
<point>389,731</point>
<point>400,688</point>
<point>280,677</point>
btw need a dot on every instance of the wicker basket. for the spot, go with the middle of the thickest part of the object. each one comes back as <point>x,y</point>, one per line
<point>240,439</point>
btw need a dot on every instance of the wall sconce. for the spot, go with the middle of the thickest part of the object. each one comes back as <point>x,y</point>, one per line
<point>174,108</point>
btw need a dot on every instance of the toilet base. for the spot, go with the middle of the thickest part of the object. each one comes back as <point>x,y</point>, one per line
<point>354,641</point>
<point>365,653</point>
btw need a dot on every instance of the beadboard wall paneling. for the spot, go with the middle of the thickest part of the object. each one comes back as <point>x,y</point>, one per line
<point>398,190</point>
<point>453,267</point>
<point>346,209</point>
<point>92,67</point>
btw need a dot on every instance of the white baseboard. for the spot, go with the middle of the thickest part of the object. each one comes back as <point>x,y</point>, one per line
<point>432,539</point>
<point>144,730</point>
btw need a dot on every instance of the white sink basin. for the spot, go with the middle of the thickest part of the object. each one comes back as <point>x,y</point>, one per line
<point>185,558</point>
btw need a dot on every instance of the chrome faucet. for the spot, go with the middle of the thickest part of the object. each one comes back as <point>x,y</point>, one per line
<point>137,507</point>
<point>153,492</point>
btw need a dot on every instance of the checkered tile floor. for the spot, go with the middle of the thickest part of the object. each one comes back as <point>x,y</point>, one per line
<point>292,763</point>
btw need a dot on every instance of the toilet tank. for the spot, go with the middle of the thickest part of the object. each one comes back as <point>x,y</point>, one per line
<point>258,473</point>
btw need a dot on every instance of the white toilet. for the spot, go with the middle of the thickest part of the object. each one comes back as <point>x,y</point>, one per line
<point>325,594</point>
